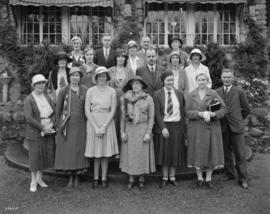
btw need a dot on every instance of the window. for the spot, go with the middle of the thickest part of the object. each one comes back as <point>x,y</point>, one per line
<point>195,24</point>
<point>52,25</point>
<point>90,23</point>
<point>226,33</point>
<point>30,25</point>
<point>164,21</point>
<point>204,24</point>
<point>40,23</point>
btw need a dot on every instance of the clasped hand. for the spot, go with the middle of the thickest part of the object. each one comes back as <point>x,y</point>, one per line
<point>206,115</point>
<point>100,132</point>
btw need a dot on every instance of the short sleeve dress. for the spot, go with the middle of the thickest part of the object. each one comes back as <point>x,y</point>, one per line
<point>100,107</point>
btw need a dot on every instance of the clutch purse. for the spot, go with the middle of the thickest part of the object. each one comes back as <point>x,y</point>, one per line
<point>214,105</point>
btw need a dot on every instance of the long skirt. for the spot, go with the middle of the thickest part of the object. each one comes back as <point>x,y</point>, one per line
<point>41,153</point>
<point>171,151</point>
<point>137,157</point>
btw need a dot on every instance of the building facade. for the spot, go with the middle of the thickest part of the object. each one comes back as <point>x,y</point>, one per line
<point>196,22</point>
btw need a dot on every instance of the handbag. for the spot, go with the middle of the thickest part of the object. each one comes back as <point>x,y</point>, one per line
<point>214,105</point>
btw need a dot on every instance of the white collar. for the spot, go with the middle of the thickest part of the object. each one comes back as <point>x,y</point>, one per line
<point>166,91</point>
<point>228,87</point>
<point>152,66</point>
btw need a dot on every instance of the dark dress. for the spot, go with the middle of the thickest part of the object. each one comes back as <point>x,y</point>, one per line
<point>70,148</point>
<point>171,151</point>
<point>41,149</point>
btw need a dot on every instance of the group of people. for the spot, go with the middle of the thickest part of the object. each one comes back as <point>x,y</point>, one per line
<point>136,107</point>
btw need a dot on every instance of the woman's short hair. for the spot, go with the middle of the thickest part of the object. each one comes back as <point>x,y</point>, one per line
<point>76,38</point>
<point>202,74</point>
<point>179,59</point>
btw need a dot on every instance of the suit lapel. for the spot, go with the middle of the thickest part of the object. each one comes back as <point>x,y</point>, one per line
<point>149,76</point>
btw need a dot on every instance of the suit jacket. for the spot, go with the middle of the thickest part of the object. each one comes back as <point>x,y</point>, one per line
<point>101,61</point>
<point>238,109</point>
<point>153,82</point>
<point>159,100</point>
<point>32,117</point>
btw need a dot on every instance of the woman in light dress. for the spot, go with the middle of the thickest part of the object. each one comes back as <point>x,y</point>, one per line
<point>101,142</point>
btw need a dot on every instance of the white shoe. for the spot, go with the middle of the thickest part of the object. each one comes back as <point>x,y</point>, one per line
<point>33,187</point>
<point>42,184</point>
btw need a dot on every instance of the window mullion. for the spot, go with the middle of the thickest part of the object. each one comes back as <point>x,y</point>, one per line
<point>166,26</point>
<point>215,23</point>
<point>40,24</point>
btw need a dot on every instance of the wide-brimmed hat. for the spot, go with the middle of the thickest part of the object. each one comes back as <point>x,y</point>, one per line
<point>74,70</point>
<point>175,38</point>
<point>62,55</point>
<point>38,78</point>
<point>101,70</point>
<point>132,43</point>
<point>197,51</point>
<point>128,86</point>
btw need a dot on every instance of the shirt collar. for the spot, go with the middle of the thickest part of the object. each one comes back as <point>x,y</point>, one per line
<point>229,88</point>
<point>166,91</point>
<point>152,66</point>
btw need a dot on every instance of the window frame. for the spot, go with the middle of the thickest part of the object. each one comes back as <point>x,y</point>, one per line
<point>190,25</point>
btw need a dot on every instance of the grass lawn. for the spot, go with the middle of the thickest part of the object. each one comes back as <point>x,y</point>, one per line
<point>225,198</point>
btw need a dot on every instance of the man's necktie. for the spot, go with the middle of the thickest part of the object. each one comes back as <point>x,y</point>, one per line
<point>106,54</point>
<point>152,72</point>
<point>226,91</point>
<point>169,104</point>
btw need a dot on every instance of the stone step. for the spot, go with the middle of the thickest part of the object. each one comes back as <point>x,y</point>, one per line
<point>16,155</point>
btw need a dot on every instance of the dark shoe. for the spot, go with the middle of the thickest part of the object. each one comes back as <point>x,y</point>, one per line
<point>227,177</point>
<point>199,183</point>
<point>104,184</point>
<point>209,184</point>
<point>130,184</point>
<point>95,184</point>
<point>163,183</point>
<point>174,183</point>
<point>244,185</point>
<point>141,185</point>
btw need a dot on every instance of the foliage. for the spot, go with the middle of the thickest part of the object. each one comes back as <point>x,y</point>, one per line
<point>129,31</point>
<point>251,63</point>
<point>30,59</point>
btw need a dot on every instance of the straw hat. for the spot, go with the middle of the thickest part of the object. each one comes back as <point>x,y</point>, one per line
<point>74,70</point>
<point>38,78</point>
<point>101,70</point>
<point>132,43</point>
<point>197,51</point>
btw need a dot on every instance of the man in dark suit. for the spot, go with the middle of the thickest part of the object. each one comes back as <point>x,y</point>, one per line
<point>105,56</point>
<point>145,44</point>
<point>151,72</point>
<point>233,128</point>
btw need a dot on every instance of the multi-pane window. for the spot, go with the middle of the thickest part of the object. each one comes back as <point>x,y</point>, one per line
<point>52,24</point>
<point>90,23</point>
<point>177,21</point>
<point>195,24</point>
<point>226,24</point>
<point>164,21</point>
<point>30,25</point>
<point>155,23</point>
<point>41,23</point>
<point>204,24</point>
